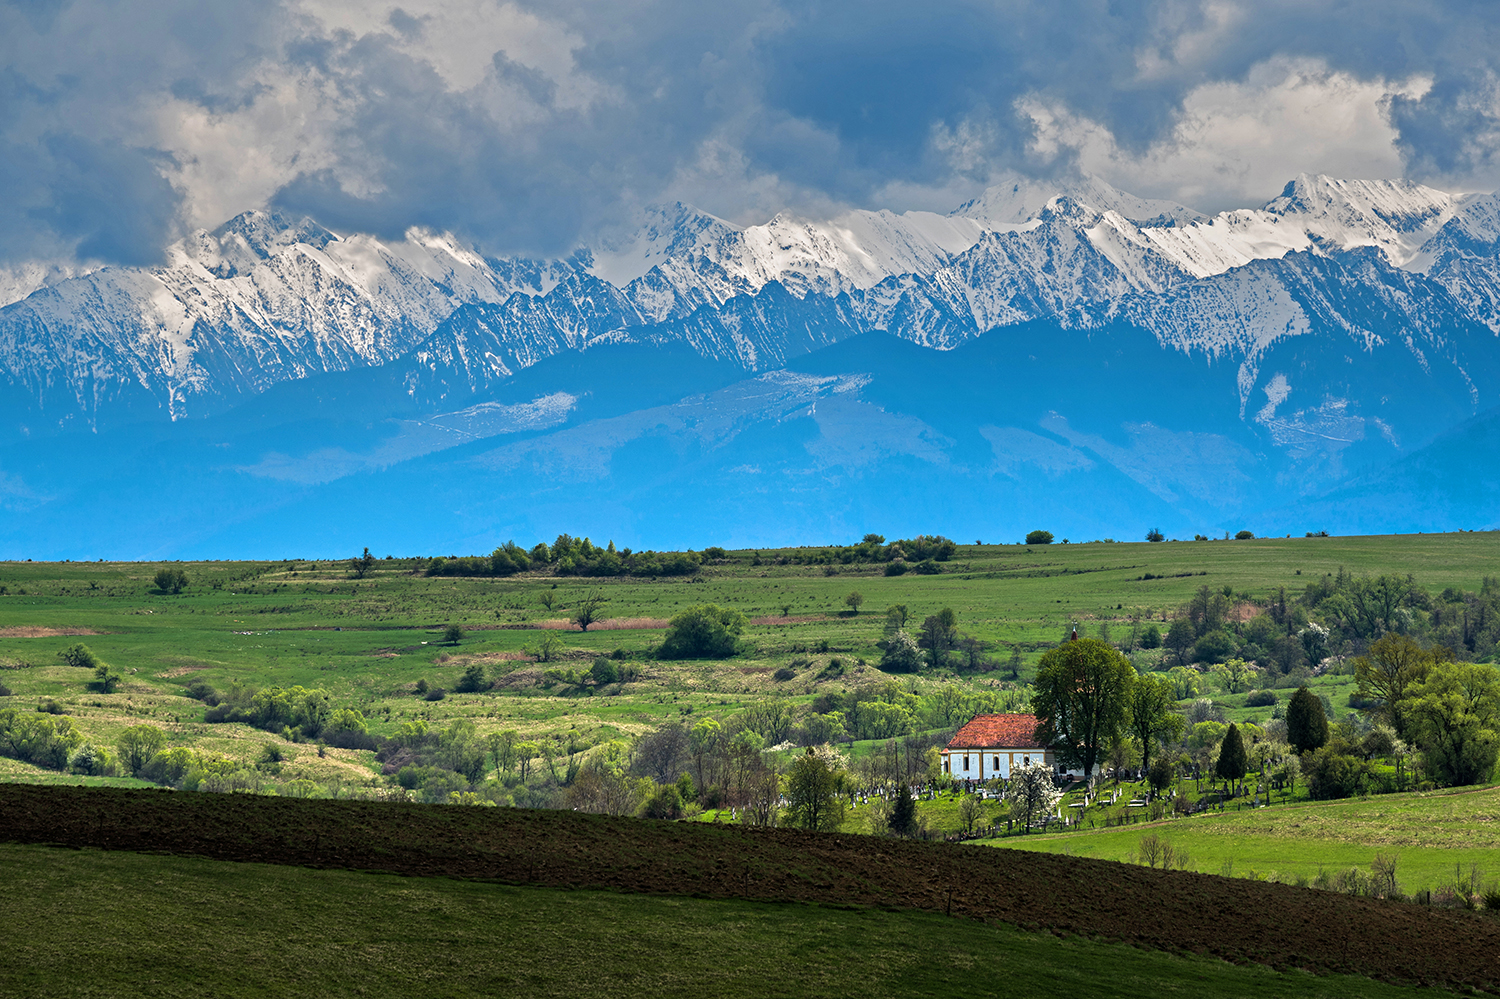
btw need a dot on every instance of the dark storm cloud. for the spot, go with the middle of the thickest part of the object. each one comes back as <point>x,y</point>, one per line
<point>832,101</point>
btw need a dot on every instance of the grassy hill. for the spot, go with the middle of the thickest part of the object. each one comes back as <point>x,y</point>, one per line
<point>726,908</point>
<point>1434,837</point>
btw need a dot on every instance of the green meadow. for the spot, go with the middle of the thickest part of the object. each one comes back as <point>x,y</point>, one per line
<point>113,924</point>
<point>1437,838</point>
<point>373,642</point>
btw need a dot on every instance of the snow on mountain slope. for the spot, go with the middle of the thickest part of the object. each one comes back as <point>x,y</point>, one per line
<point>1021,200</point>
<point>265,298</point>
<point>682,259</point>
<point>261,299</point>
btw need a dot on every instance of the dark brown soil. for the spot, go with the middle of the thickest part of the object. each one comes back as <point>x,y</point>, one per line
<point>1237,920</point>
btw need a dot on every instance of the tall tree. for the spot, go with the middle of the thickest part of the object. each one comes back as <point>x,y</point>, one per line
<point>903,820</point>
<point>361,565</point>
<point>1306,721</point>
<point>1454,715</point>
<point>1233,761</point>
<point>939,634</point>
<point>1153,715</point>
<point>1392,667</point>
<point>812,791</point>
<point>1081,698</point>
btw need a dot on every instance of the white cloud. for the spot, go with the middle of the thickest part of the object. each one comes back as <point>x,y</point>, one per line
<point>1237,143</point>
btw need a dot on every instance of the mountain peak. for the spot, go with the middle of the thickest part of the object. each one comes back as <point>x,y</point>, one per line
<point>1022,199</point>
<point>1398,216</point>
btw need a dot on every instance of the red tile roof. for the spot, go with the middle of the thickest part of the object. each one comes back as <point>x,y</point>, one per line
<point>997,732</point>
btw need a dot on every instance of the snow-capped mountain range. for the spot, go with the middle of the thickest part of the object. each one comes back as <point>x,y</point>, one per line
<point>265,298</point>
<point>1343,322</point>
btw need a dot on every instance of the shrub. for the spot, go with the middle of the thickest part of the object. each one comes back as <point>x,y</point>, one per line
<point>170,580</point>
<point>901,654</point>
<point>1331,774</point>
<point>1245,536</point>
<point>1039,538</point>
<point>200,691</point>
<point>79,655</point>
<point>435,694</point>
<point>92,761</point>
<point>666,803</point>
<point>1151,638</point>
<point>472,681</point>
<point>604,671</point>
<point>1260,699</point>
<point>896,568</point>
<point>705,630</point>
<point>4,690</point>
<point>1213,647</point>
<point>784,673</point>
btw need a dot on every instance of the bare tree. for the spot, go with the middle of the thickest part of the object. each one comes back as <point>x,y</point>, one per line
<point>588,610</point>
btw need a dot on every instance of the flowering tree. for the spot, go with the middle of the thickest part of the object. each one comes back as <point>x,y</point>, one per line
<point>1032,792</point>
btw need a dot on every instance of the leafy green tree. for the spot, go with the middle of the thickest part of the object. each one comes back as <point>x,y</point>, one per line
<point>1233,761</point>
<point>1334,774</point>
<point>939,635</point>
<point>1236,675</point>
<point>1306,721</point>
<point>665,803</point>
<point>1213,647</point>
<point>1393,665</point>
<point>472,681</point>
<point>170,580</point>
<point>547,648</point>
<point>361,565</point>
<point>1453,715</point>
<point>79,655</point>
<point>1161,773</point>
<point>895,618</point>
<point>901,654</point>
<point>604,672</point>
<point>589,609</point>
<point>854,600</point>
<point>1038,538</point>
<point>1180,638</point>
<point>453,634</point>
<point>813,786</point>
<point>138,744</point>
<point>1155,535</point>
<point>1081,699</point>
<point>703,631</point>
<point>107,677</point>
<point>1153,715</point>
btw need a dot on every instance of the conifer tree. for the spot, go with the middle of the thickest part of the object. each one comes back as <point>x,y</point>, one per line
<point>1233,760</point>
<point>1306,722</point>
<point>903,820</point>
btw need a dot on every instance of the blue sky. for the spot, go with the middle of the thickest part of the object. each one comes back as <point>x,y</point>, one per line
<point>527,127</point>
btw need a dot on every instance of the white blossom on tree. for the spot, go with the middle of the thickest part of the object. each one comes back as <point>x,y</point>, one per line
<point>1032,792</point>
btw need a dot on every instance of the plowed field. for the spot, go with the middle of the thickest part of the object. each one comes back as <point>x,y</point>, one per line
<point>1237,920</point>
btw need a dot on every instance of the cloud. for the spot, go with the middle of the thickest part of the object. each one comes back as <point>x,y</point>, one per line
<point>1237,143</point>
<point>525,126</point>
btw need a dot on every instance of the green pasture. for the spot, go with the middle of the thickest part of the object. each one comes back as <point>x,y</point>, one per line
<point>370,641</point>
<point>1433,834</point>
<point>113,924</point>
